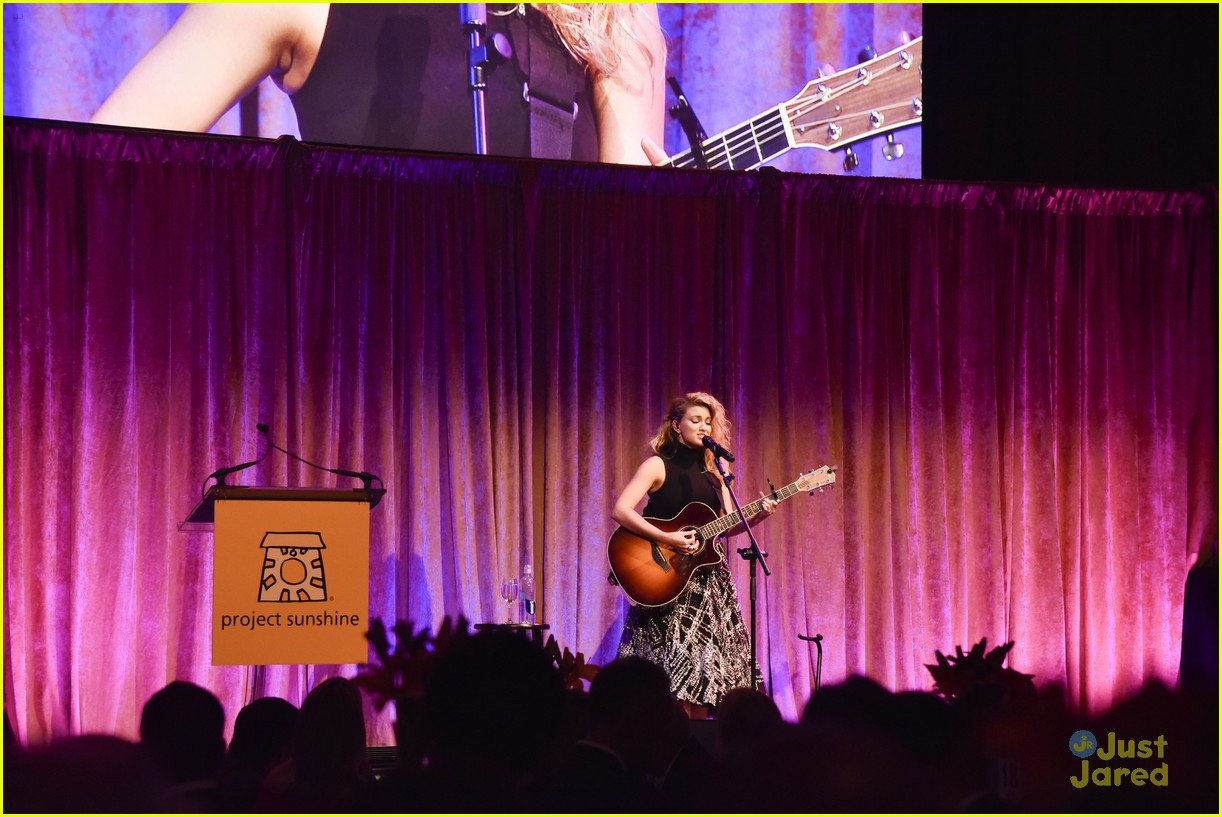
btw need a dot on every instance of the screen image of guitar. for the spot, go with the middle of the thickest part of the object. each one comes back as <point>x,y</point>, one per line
<point>830,113</point>
<point>652,575</point>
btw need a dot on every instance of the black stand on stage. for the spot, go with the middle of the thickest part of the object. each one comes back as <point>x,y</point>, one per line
<point>817,640</point>
<point>752,554</point>
<point>683,111</point>
<point>483,55</point>
<point>474,19</point>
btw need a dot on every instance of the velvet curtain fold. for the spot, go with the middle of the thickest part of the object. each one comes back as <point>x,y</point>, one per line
<point>1018,385</point>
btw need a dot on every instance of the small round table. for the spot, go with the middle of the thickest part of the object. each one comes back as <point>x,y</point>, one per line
<point>535,631</point>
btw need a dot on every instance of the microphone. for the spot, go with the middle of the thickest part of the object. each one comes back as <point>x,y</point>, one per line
<point>220,473</point>
<point>717,449</point>
<point>364,476</point>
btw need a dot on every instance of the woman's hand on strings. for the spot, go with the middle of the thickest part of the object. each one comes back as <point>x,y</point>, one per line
<point>681,541</point>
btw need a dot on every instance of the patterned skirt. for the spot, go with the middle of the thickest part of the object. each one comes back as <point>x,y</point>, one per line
<point>699,638</point>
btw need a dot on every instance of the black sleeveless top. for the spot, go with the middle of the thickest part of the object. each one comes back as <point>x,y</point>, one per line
<point>395,76</point>
<point>686,481</point>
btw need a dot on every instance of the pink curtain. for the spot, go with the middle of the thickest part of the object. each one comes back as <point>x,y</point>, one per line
<point>1018,384</point>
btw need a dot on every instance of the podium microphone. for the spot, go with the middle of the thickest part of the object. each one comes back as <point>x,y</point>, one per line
<point>717,449</point>
<point>220,473</point>
<point>364,476</point>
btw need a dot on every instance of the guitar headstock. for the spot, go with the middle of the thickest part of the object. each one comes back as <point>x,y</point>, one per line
<point>816,479</point>
<point>876,96</point>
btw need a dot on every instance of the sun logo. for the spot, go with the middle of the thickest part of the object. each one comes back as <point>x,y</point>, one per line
<point>292,567</point>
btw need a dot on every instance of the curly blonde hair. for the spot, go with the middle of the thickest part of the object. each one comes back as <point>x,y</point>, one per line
<point>666,441</point>
<point>596,33</point>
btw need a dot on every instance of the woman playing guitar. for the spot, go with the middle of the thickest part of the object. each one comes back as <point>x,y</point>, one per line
<point>699,637</point>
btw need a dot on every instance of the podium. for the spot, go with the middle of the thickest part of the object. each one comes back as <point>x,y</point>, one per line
<point>290,573</point>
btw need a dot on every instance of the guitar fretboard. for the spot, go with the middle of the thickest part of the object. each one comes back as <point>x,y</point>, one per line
<point>747,146</point>
<point>724,523</point>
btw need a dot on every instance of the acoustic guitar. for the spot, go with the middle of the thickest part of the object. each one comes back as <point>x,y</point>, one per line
<point>652,574</point>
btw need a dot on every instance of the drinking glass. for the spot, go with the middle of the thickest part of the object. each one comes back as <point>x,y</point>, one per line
<point>509,592</point>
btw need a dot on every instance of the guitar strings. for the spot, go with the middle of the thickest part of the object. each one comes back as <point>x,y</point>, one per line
<point>723,523</point>
<point>748,138</point>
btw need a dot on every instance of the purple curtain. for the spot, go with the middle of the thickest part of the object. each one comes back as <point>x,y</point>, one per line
<point>1018,384</point>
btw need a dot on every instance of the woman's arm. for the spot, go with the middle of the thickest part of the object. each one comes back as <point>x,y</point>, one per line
<point>630,105</point>
<point>210,58</point>
<point>649,477</point>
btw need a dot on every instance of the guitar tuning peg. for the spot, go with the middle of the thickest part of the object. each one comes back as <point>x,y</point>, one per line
<point>851,160</point>
<point>892,149</point>
<point>866,54</point>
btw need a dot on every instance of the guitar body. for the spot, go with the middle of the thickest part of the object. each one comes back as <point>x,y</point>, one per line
<point>652,575</point>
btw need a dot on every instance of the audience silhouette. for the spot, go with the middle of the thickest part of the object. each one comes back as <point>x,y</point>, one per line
<point>611,766</point>
<point>492,711</point>
<point>262,739</point>
<point>182,727</point>
<point>89,774</point>
<point>327,769</point>
<point>746,718</point>
<point>497,731</point>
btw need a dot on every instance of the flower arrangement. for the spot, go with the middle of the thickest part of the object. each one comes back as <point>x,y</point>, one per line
<point>400,672</point>
<point>978,679</point>
<point>573,668</point>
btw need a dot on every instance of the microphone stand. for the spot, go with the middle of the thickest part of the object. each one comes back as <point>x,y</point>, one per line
<point>752,554</point>
<point>474,21</point>
<point>817,640</point>
<point>686,115</point>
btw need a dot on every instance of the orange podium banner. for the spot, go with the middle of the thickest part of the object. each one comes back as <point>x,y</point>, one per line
<point>290,576</point>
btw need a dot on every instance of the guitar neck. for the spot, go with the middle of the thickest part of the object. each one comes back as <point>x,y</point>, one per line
<point>724,523</point>
<point>745,147</point>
